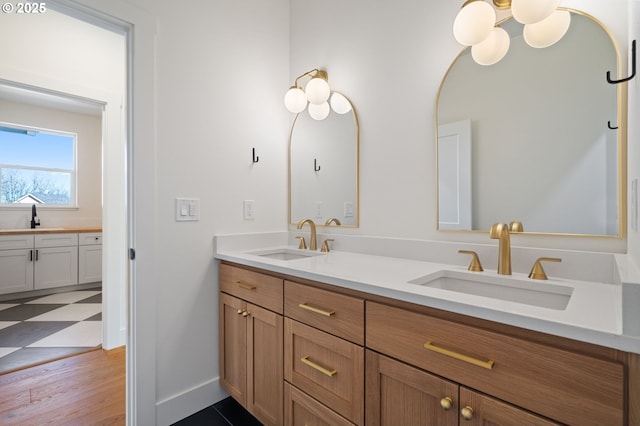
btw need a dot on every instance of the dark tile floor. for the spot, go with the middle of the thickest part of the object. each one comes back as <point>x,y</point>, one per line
<point>223,413</point>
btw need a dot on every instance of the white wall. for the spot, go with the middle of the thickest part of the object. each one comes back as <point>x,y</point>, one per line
<point>89,165</point>
<point>221,72</point>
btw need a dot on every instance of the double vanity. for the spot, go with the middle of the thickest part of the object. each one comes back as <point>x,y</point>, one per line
<point>302,332</point>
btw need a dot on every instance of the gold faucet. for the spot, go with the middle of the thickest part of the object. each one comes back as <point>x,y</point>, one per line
<point>313,243</point>
<point>333,220</point>
<point>500,231</point>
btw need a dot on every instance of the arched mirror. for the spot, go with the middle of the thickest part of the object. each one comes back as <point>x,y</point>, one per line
<point>323,169</point>
<point>538,137</point>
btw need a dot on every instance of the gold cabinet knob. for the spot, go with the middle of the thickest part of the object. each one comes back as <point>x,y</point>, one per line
<point>240,311</point>
<point>467,413</point>
<point>446,403</point>
<point>246,314</point>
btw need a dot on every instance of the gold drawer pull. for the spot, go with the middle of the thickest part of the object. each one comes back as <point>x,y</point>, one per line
<point>484,364</point>
<point>305,360</point>
<point>245,286</point>
<point>316,310</point>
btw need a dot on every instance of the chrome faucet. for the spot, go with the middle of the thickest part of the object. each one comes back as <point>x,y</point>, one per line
<point>313,243</point>
<point>500,231</point>
<point>35,221</point>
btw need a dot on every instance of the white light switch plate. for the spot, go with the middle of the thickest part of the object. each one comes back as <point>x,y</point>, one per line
<point>187,209</point>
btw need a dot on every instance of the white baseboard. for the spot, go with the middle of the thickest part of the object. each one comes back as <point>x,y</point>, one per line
<point>189,402</point>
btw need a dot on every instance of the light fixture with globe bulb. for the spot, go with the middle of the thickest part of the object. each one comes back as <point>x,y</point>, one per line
<point>315,95</point>
<point>475,26</point>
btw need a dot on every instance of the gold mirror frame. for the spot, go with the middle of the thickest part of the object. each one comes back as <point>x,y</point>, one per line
<point>356,165</point>
<point>621,146</point>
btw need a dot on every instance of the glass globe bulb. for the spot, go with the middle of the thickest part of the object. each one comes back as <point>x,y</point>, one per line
<point>317,90</point>
<point>548,31</point>
<point>295,100</point>
<point>319,111</point>
<point>474,23</point>
<point>339,103</point>
<point>493,48</point>
<point>532,11</point>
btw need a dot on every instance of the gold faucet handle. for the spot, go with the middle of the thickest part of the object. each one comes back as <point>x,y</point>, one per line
<point>325,245</point>
<point>303,243</point>
<point>475,264</point>
<point>516,226</point>
<point>537,272</point>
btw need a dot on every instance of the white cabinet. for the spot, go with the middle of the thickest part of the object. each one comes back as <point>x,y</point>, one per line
<point>55,260</point>
<point>16,263</point>
<point>89,257</point>
<point>40,261</point>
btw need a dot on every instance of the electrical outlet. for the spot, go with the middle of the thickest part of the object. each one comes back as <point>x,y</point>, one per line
<point>348,209</point>
<point>249,210</point>
<point>317,208</point>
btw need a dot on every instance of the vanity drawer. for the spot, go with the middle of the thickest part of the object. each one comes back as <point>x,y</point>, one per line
<point>326,367</point>
<point>257,288</point>
<point>302,410</point>
<point>569,387</point>
<point>332,312</point>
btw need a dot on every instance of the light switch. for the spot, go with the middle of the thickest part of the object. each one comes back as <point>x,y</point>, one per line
<point>187,209</point>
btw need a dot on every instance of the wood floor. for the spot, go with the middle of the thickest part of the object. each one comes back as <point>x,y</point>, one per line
<point>87,389</point>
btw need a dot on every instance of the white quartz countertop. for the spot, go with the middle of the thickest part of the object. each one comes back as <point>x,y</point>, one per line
<point>593,314</point>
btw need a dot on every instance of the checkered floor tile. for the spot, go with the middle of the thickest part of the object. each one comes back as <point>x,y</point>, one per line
<point>38,329</point>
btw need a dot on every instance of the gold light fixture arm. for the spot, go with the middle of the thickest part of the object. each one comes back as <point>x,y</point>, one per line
<point>314,73</point>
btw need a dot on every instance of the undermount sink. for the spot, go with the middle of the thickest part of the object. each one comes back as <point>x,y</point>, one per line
<point>286,253</point>
<point>536,293</point>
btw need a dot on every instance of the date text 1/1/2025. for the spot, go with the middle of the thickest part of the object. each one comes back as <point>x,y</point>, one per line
<point>24,8</point>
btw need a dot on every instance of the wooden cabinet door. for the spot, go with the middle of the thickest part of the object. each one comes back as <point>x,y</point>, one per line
<point>398,394</point>
<point>482,410</point>
<point>265,379</point>
<point>233,347</point>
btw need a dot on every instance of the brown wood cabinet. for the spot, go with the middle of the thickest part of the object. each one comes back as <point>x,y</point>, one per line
<point>398,394</point>
<point>251,345</point>
<point>326,367</point>
<point>302,410</point>
<point>422,366</point>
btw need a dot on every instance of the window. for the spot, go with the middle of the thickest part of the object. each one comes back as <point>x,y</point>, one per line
<point>37,166</point>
